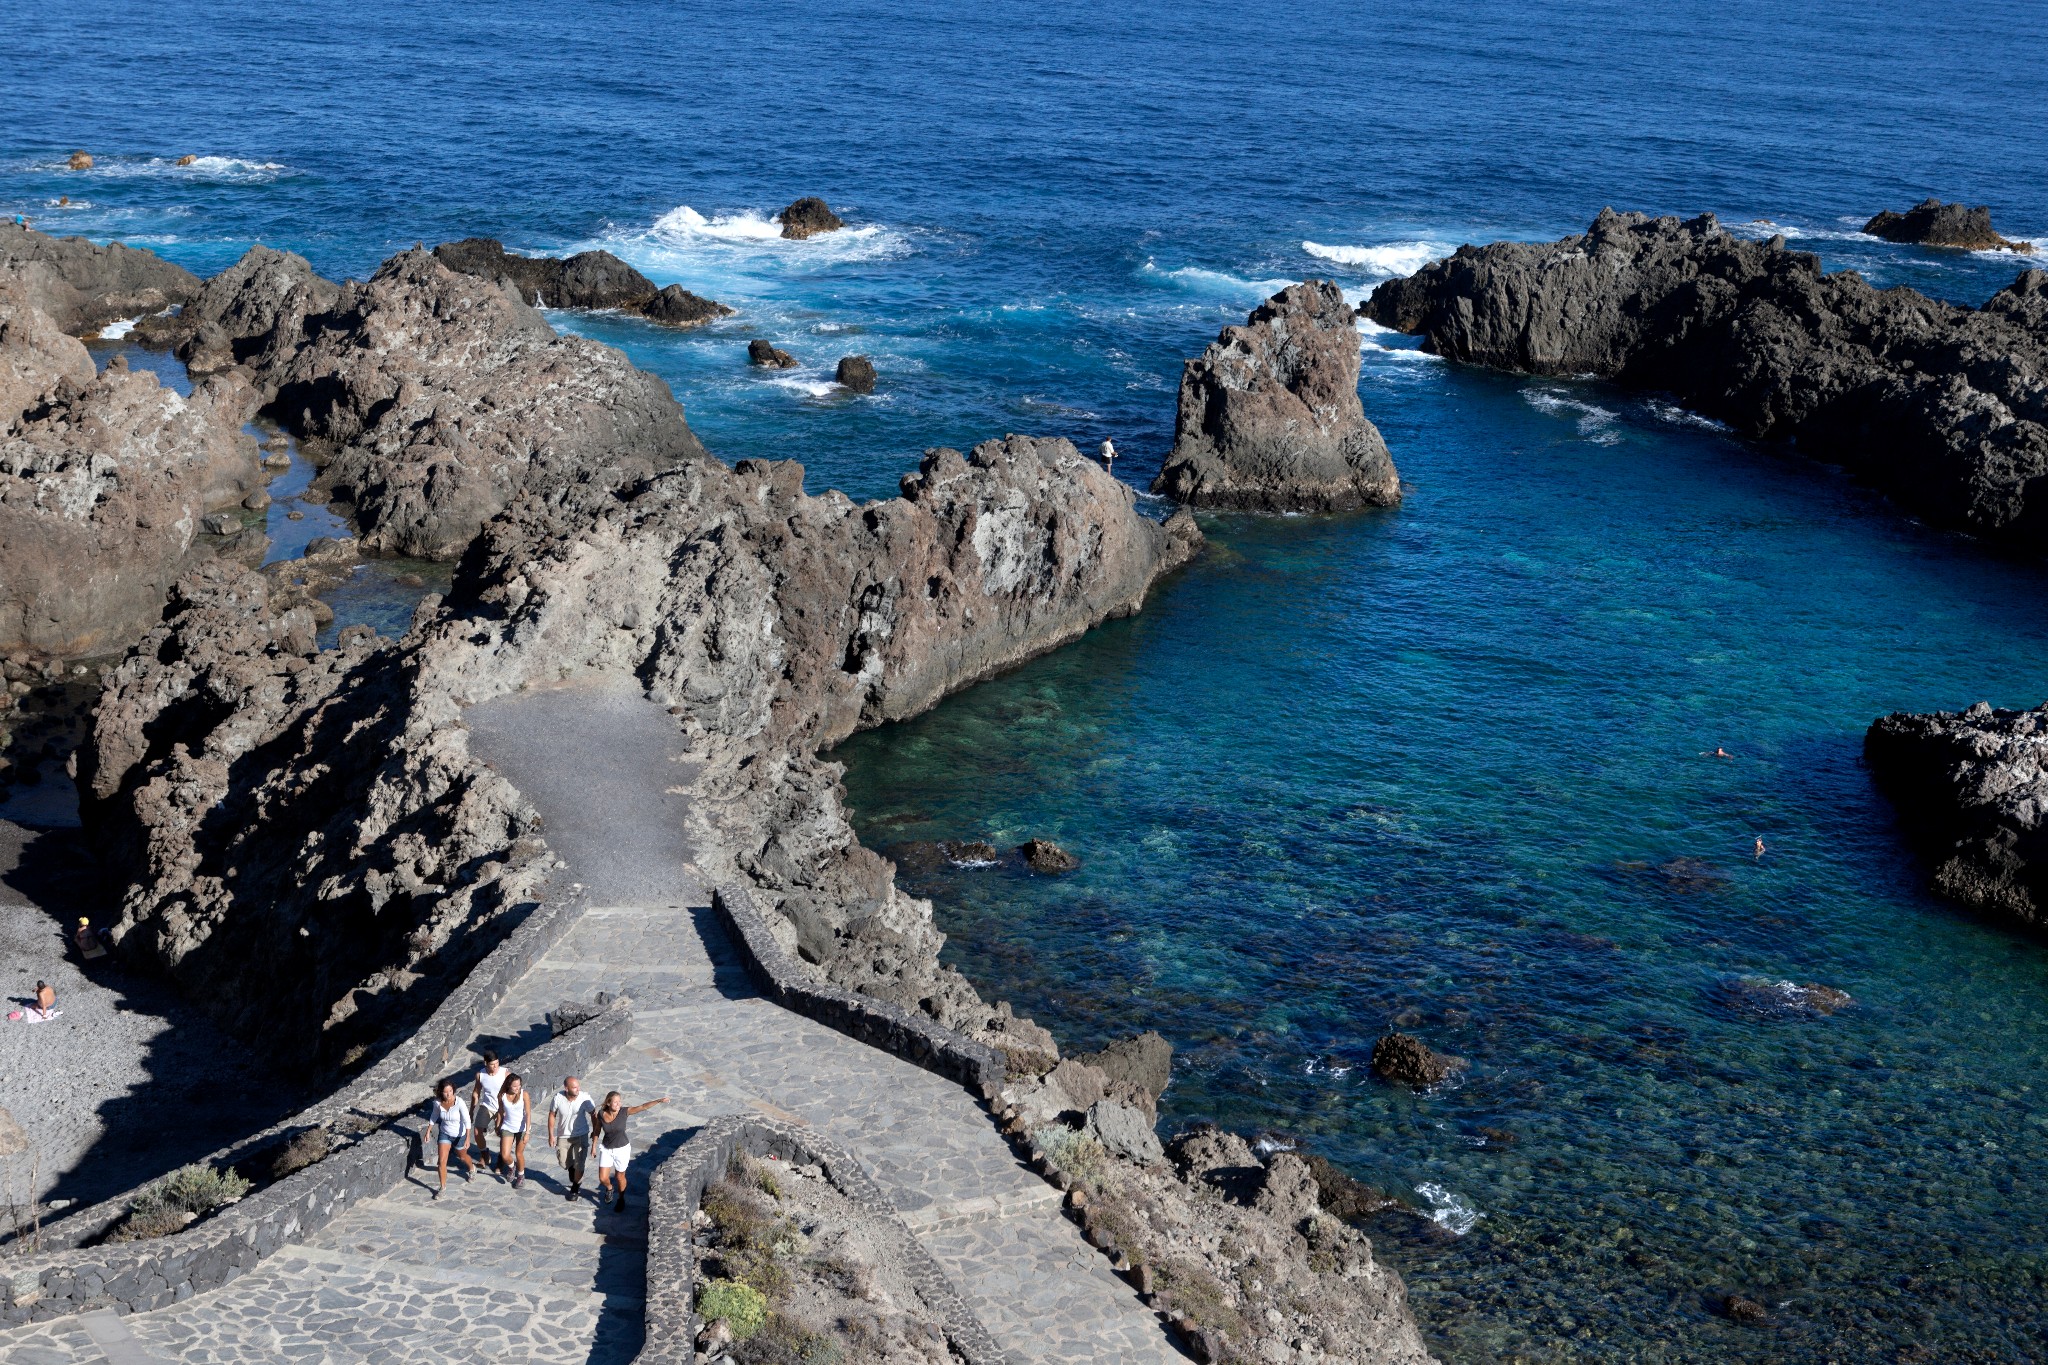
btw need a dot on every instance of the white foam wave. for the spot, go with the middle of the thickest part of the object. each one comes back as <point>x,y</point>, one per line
<point>1449,1211</point>
<point>1405,349</point>
<point>727,254</point>
<point>114,331</point>
<point>1595,423</point>
<point>1207,281</point>
<point>1391,258</point>
<point>685,222</point>
<point>1268,1145</point>
<point>226,169</point>
<point>1679,417</point>
<point>809,388</point>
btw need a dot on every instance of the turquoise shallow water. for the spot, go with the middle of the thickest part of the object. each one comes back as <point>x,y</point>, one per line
<point>1435,766</point>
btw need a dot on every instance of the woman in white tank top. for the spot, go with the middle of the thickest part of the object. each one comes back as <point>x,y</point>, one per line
<point>515,1113</point>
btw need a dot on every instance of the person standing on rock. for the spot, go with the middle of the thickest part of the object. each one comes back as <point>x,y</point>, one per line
<point>570,1115</point>
<point>614,1148</point>
<point>1109,454</point>
<point>449,1127</point>
<point>483,1098</point>
<point>515,1113</point>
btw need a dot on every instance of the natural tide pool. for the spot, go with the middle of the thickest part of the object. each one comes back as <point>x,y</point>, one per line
<point>1441,768</point>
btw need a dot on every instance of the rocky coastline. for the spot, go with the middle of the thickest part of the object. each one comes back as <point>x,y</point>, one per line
<point>1970,788</point>
<point>1943,407</point>
<point>1269,418</point>
<point>1933,223</point>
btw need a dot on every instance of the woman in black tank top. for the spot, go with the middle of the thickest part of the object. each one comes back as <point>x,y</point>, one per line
<point>614,1150</point>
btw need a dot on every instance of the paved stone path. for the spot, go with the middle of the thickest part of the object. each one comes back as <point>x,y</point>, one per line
<point>516,1276</point>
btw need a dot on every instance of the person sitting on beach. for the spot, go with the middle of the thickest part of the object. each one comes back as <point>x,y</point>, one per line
<point>88,940</point>
<point>43,1010</point>
<point>449,1128</point>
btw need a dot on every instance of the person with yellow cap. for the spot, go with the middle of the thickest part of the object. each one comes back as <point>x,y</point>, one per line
<point>89,946</point>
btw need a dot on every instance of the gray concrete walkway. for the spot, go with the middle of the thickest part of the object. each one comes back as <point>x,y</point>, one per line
<point>516,1276</point>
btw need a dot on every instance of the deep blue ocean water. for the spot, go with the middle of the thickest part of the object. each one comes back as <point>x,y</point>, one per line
<point>1437,768</point>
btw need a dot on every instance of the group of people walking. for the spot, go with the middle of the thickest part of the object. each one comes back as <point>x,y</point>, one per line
<point>498,1103</point>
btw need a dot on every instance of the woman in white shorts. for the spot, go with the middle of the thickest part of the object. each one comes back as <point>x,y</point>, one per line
<point>448,1127</point>
<point>614,1149</point>
<point>515,1114</point>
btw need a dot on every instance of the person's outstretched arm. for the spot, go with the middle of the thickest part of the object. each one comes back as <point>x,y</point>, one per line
<point>636,1108</point>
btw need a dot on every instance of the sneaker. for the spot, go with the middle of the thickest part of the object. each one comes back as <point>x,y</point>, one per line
<point>518,1180</point>
<point>569,1195</point>
<point>437,1195</point>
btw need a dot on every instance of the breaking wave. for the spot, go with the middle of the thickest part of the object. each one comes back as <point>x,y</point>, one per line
<point>1595,423</point>
<point>723,251</point>
<point>1201,280</point>
<point>229,170</point>
<point>1449,1211</point>
<point>1392,258</point>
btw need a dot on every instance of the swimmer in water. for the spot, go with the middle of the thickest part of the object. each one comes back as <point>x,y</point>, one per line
<point>1716,752</point>
<point>1759,846</point>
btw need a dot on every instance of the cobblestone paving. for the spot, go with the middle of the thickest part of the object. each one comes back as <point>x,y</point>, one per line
<point>512,1276</point>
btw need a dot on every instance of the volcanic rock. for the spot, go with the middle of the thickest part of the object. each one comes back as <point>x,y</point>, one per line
<point>1944,407</point>
<point>1971,790</point>
<point>808,217</point>
<point>253,313</point>
<point>760,352</point>
<point>187,159</point>
<point>678,307</point>
<point>589,279</point>
<point>84,286</point>
<point>1933,223</point>
<point>1144,1061</point>
<point>1269,416</point>
<point>856,372</point>
<point>1125,1131</point>
<point>1043,855</point>
<point>1341,1195</point>
<point>103,481</point>
<point>1780,999</point>
<point>1745,1310</point>
<point>1406,1060</point>
<point>80,161</point>
<point>436,398</point>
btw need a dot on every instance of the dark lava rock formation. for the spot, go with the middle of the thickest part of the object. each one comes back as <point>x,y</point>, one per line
<point>1933,223</point>
<point>104,481</point>
<point>1406,1060</point>
<point>766,354</point>
<point>1043,855</point>
<point>1971,792</point>
<point>1269,417</point>
<point>84,286</point>
<point>1944,407</point>
<point>808,217</point>
<point>589,279</point>
<point>857,373</point>
<point>253,313</point>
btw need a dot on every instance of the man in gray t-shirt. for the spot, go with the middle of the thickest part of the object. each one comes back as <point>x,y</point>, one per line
<point>569,1131</point>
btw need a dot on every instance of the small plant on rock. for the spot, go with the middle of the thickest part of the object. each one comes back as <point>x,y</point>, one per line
<point>177,1199</point>
<point>1079,1155</point>
<point>742,1307</point>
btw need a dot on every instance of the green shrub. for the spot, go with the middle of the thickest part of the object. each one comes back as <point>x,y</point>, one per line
<point>162,1208</point>
<point>1078,1154</point>
<point>802,1341</point>
<point>743,1307</point>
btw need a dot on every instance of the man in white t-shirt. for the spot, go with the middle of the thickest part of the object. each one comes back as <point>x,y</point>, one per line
<point>483,1098</point>
<point>569,1131</point>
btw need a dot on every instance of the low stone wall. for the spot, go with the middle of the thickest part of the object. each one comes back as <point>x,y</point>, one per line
<point>678,1188</point>
<point>130,1277</point>
<point>390,1086</point>
<point>903,1033</point>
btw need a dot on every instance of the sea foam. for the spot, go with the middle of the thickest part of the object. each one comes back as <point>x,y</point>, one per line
<point>1595,423</point>
<point>1449,1211</point>
<point>1391,258</point>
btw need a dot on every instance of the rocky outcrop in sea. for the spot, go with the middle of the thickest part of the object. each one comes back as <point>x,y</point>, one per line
<point>83,286</point>
<point>1971,790</point>
<point>808,217</point>
<point>1944,407</point>
<point>589,279</point>
<point>1269,417</point>
<point>1933,223</point>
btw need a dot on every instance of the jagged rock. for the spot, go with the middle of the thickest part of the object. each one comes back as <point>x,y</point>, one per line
<point>35,355</point>
<point>1745,1310</point>
<point>1043,855</point>
<point>678,307</point>
<point>808,217</point>
<point>1406,1060</point>
<point>220,524</point>
<point>438,397</point>
<point>1269,417</point>
<point>1144,1061</point>
<point>103,482</point>
<point>1126,1132</point>
<point>589,279</point>
<point>856,372</point>
<point>253,313</point>
<point>1933,223</point>
<point>79,161</point>
<point>84,286</point>
<point>1971,790</point>
<point>187,159</point>
<point>763,353</point>
<point>1944,407</point>
<point>1776,999</point>
<point>1341,1195</point>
